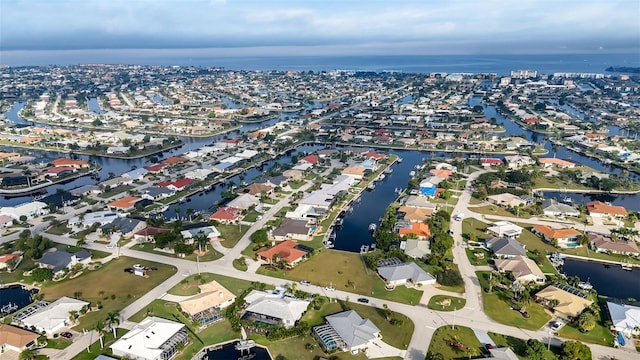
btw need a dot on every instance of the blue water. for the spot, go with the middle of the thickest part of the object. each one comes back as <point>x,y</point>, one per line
<point>228,352</point>
<point>501,64</point>
<point>606,279</point>
<point>15,295</point>
<point>94,106</point>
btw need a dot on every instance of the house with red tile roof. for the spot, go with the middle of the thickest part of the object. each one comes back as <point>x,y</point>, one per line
<point>598,208</point>
<point>226,215</point>
<point>375,155</point>
<point>420,229</point>
<point>6,258</point>
<point>563,164</point>
<point>491,162</point>
<point>147,234</point>
<point>154,168</point>
<point>124,204</point>
<point>566,238</point>
<point>173,160</point>
<point>310,159</point>
<point>78,164</point>
<point>286,251</point>
<point>176,185</point>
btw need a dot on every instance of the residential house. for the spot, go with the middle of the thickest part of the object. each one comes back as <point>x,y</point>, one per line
<point>147,234</point>
<point>603,244</point>
<point>59,171</point>
<point>29,210</point>
<point>59,260</point>
<point>624,318</point>
<point>292,229</point>
<point>274,307</point>
<point>54,317</point>
<point>518,161</point>
<point>209,231</point>
<point>553,208</point>
<point>559,163</point>
<point>489,162</point>
<point>153,338</point>
<point>346,331</point>
<point>309,159</point>
<point>244,202</point>
<point>177,185</point>
<point>415,214</point>
<point>600,209</point>
<point>277,181</point>
<point>357,172</point>
<point>570,301</point>
<point>416,249</point>
<point>523,269</point>
<point>408,274</point>
<point>420,203</point>
<point>124,227</point>
<point>14,339</point>
<point>205,307</point>
<point>226,215</point>
<point>90,218</point>
<point>566,238</point>
<point>505,247</point>
<point>64,162</point>
<point>157,193</point>
<point>124,204</point>
<point>429,186</point>
<point>5,221</point>
<point>419,229</point>
<point>257,189</point>
<point>10,261</point>
<point>287,251</point>
<point>295,175</point>
<point>503,353</point>
<point>136,174</point>
<point>505,229</point>
<point>506,200</point>
<point>86,190</point>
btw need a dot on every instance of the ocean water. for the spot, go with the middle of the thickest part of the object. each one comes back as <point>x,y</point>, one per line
<point>501,64</point>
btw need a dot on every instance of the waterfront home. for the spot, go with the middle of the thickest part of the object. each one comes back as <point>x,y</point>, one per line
<point>53,317</point>
<point>489,162</point>
<point>570,301</point>
<point>15,340</point>
<point>116,181</point>
<point>153,338</point>
<point>603,244</point>
<point>60,260</point>
<point>123,227</point>
<point>210,232</point>
<point>244,202</point>
<point>277,181</point>
<point>156,193</point>
<point>600,209</point>
<point>419,229</point>
<point>408,274</point>
<point>292,229</point>
<point>29,210</point>
<point>273,307</point>
<point>624,318</point>
<point>518,161</point>
<point>204,308</point>
<point>420,203</point>
<point>176,185</point>
<point>90,218</point>
<point>86,190</point>
<point>565,238</point>
<point>441,173</point>
<point>415,214</point>
<point>415,249</point>
<point>65,162</point>
<point>558,163</point>
<point>59,171</point>
<point>429,186</point>
<point>257,189</point>
<point>505,229</point>
<point>147,234</point>
<point>118,150</point>
<point>10,261</point>
<point>357,172</point>
<point>505,247</point>
<point>523,269</point>
<point>553,208</point>
<point>5,221</point>
<point>306,212</point>
<point>124,204</point>
<point>295,175</point>
<point>346,331</point>
<point>288,251</point>
<point>226,215</point>
<point>309,159</point>
<point>506,200</point>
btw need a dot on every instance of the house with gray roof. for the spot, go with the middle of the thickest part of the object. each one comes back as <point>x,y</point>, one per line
<point>503,353</point>
<point>292,229</point>
<point>124,226</point>
<point>136,174</point>
<point>551,207</point>
<point>408,274</point>
<point>416,249</point>
<point>346,331</point>
<point>505,247</point>
<point>244,202</point>
<point>277,181</point>
<point>274,307</point>
<point>157,193</point>
<point>58,260</point>
<point>85,190</point>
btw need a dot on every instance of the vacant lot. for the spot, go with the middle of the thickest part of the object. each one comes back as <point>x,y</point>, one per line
<point>231,234</point>
<point>458,343</point>
<point>345,271</point>
<point>110,286</point>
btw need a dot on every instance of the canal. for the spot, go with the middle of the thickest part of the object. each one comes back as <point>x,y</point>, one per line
<point>608,280</point>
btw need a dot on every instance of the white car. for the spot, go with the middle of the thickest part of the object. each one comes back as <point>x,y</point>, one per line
<point>458,217</point>
<point>330,288</point>
<point>556,325</point>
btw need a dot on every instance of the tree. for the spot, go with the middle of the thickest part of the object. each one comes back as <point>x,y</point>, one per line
<point>112,320</point>
<point>99,327</point>
<point>27,354</point>
<point>575,350</point>
<point>259,237</point>
<point>189,212</point>
<point>586,321</point>
<point>535,350</point>
<point>42,274</point>
<point>386,311</point>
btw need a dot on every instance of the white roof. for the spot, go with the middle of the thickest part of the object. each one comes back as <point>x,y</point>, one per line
<point>56,313</point>
<point>352,329</point>
<point>317,198</point>
<point>233,159</point>
<point>244,201</point>
<point>302,166</point>
<point>624,317</point>
<point>247,154</point>
<point>145,339</point>
<point>405,271</point>
<point>25,209</point>
<point>276,305</point>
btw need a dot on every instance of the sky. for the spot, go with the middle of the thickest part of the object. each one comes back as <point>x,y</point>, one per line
<point>344,27</point>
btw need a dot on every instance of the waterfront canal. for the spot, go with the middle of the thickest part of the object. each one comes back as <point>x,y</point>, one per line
<point>609,280</point>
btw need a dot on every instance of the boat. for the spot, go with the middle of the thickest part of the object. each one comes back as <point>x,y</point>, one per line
<point>371,187</point>
<point>8,308</point>
<point>412,173</point>
<point>339,221</point>
<point>381,177</point>
<point>585,285</point>
<point>556,259</point>
<point>399,159</point>
<point>388,171</point>
<point>372,227</point>
<point>567,200</point>
<point>626,266</point>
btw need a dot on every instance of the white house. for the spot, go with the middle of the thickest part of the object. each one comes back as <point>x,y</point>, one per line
<point>624,318</point>
<point>53,317</point>
<point>346,331</point>
<point>153,338</point>
<point>505,229</point>
<point>274,307</point>
<point>405,274</point>
<point>30,210</point>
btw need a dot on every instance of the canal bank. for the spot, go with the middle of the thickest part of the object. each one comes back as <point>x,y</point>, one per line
<point>607,279</point>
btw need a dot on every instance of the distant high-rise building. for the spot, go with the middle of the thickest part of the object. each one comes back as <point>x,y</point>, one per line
<point>524,74</point>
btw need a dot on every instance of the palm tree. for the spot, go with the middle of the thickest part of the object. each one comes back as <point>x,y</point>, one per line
<point>517,288</point>
<point>583,239</point>
<point>27,354</point>
<point>177,211</point>
<point>189,212</point>
<point>99,327</point>
<point>493,281</point>
<point>201,239</point>
<point>113,319</point>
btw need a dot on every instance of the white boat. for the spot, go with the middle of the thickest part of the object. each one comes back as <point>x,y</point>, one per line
<point>372,227</point>
<point>412,173</point>
<point>399,159</point>
<point>381,177</point>
<point>626,266</point>
<point>388,171</point>
<point>371,186</point>
<point>585,285</point>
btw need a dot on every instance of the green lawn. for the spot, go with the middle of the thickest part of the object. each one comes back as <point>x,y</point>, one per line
<point>478,257</point>
<point>115,191</point>
<point>474,201</point>
<point>340,267</point>
<point>58,343</point>
<point>236,286</point>
<point>189,285</point>
<point>497,308</point>
<point>95,350</point>
<point>237,264</point>
<point>599,335</point>
<point>555,183</point>
<point>107,282</point>
<point>251,216</point>
<point>474,229</point>
<point>295,185</point>
<point>231,234</point>
<point>59,229</point>
<point>583,251</point>
<point>493,210</point>
<point>446,303</point>
<point>210,254</point>
<point>445,336</point>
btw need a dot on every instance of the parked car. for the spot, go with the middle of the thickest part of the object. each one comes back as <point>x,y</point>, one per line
<point>66,335</point>
<point>330,288</point>
<point>556,325</point>
<point>488,346</point>
<point>304,282</point>
<point>363,300</point>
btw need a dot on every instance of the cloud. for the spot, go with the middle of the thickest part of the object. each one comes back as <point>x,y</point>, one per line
<point>80,24</point>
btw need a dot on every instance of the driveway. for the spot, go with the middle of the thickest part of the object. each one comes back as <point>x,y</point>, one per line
<point>483,337</point>
<point>380,349</point>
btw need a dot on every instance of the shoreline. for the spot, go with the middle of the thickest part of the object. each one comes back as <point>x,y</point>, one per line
<point>588,191</point>
<point>36,189</point>
<point>602,261</point>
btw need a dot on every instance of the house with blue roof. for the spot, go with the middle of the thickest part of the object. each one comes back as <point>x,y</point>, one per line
<point>59,260</point>
<point>136,174</point>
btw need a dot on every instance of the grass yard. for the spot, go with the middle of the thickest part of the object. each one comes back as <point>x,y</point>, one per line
<point>491,210</point>
<point>210,254</point>
<point>189,285</point>
<point>519,346</point>
<point>555,183</point>
<point>231,234</point>
<point>583,251</point>
<point>108,285</point>
<point>474,201</point>
<point>240,264</point>
<point>478,257</point>
<point>236,286</point>
<point>444,336</point>
<point>446,303</point>
<point>251,216</point>
<point>115,191</point>
<point>296,184</point>
<point>599,335</point>
<point>59,229</point>
<point>95,350</point>
<point>500,310</point>
<point>58,343</point>
<point>474,229</point>
<point>340,267</point>
<point>533,241</point>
